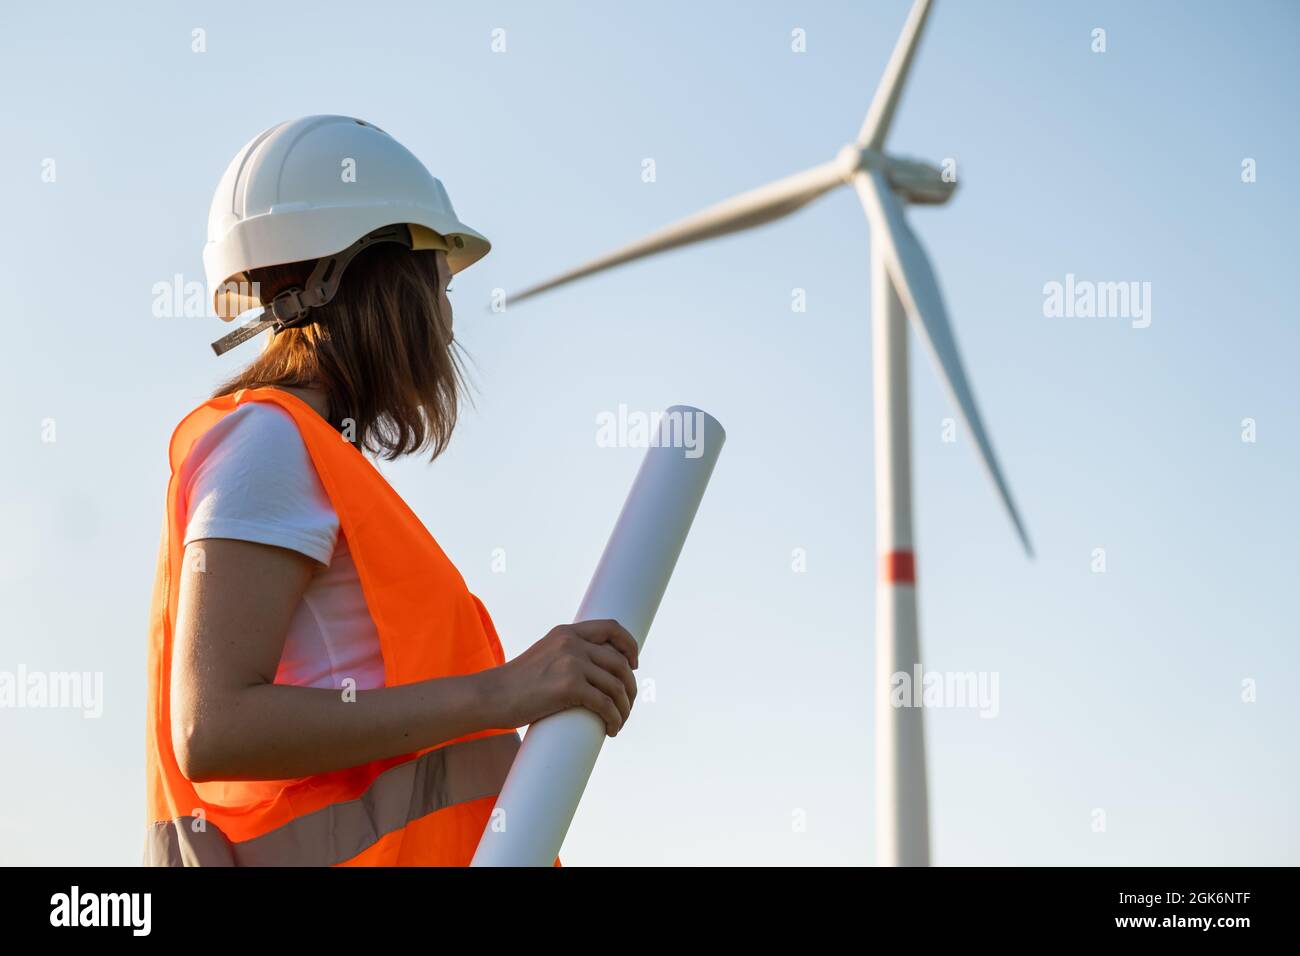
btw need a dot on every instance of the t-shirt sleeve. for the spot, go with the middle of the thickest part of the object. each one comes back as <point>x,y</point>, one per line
<point>250,478</point>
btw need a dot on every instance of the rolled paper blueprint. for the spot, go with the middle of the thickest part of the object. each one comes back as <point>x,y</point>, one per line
<point>551,769</point>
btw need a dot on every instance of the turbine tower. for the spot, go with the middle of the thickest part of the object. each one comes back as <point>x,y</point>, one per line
<point>903,287</point>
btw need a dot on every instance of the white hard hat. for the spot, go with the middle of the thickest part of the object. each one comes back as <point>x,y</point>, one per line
<point>312,187</point>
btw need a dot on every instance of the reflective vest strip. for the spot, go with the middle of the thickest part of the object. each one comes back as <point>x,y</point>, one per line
<point>456,773</point>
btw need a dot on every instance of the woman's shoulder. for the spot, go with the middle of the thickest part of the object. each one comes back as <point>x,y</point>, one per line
<point>250,477</point>
<point>255,441</point>
<point>264,419</point>
<point>261,429</point>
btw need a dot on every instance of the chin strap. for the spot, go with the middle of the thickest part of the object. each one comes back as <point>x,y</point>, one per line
<point>293,306</point>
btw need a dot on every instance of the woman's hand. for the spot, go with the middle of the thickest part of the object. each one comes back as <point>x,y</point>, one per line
<point>588,664</point>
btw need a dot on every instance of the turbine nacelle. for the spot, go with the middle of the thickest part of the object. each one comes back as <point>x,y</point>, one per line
<point>918,182</point>
<point>913,180</point>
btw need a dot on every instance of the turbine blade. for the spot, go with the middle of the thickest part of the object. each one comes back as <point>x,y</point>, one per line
<point>876,126</point>
<point>914,278</point>
<point>754,208</point>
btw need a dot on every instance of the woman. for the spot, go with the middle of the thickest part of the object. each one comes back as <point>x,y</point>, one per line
<point>324,689</point>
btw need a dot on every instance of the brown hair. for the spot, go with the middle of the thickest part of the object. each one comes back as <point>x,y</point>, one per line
<point>382,350</point>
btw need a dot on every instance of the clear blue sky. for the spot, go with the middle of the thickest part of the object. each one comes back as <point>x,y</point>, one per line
<point>1119,691</point>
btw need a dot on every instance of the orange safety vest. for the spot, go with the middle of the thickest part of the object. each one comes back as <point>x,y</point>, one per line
<point>423,808</point>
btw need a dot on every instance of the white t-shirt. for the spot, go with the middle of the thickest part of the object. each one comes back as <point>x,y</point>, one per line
<point>250,478</point>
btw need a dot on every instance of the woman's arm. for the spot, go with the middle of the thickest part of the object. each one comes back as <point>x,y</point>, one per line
<point>230,721</point>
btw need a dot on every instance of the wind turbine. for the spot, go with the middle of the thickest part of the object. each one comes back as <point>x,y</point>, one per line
<point>903,285</point>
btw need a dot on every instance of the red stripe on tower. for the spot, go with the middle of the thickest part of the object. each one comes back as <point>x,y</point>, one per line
<point>898,567</point>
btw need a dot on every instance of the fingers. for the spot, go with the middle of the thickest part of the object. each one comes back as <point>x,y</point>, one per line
<point>613,688</point>
<point>599,657</point>
<point>614,663</point>
<point>599,703</point>
<point>612,633</point>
